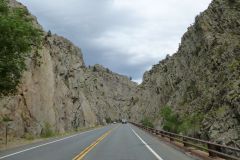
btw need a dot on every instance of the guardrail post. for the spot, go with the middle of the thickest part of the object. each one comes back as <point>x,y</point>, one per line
<point>171,137</point>
<point>212,147</point>
<point>155,131</point>
<point>185,144</point>
<point>6,135</point>
<point>162,134</point>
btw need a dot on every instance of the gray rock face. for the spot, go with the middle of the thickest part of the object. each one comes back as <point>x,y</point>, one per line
<point>202,77</point>
<point>58,90</point>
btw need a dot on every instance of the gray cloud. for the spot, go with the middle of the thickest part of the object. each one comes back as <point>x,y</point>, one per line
<point>127,36</point>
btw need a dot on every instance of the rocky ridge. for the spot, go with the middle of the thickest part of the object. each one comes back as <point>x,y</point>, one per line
<point>203,77</point>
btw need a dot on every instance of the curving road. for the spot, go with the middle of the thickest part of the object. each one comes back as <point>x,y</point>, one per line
<point>113,142</point>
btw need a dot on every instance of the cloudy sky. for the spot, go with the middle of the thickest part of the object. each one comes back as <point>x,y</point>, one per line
<point>127,36</point>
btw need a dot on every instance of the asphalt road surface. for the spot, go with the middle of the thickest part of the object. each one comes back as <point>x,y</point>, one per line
<point>113,142</point>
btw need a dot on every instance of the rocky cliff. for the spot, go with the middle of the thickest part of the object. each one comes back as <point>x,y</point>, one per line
<point>59,92</point>
<point>203,77</point>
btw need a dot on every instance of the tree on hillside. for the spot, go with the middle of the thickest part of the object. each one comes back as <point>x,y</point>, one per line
<point>94,69</point>
<point>170,119</point>
<point>18,37</point>
<point>186,124</point>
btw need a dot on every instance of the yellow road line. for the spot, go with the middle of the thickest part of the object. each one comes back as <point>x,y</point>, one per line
<point>89,148</point>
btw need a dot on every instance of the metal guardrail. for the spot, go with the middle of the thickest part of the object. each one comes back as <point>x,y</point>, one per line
<point>214,150</point>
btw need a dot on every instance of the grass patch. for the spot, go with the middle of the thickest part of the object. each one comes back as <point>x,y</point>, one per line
<point>29,136</point>
<point>47,131</point>
<point>147,122</point>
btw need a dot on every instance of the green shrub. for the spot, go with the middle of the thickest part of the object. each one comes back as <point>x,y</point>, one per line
<point>6,119</point>
<point>188,124</point>
<point>29,136</point>
<point>18,37</point>
<point>47,131</point>
<point>221,111</point>
<point>234,65</point>
<point>147,122</point>
<point>170,119</point>
<point>94,69</point>
<point>108,120</point>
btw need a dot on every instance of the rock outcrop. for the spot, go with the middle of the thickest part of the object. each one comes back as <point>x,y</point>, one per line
<point>59,91</point>
<point>203,77</point>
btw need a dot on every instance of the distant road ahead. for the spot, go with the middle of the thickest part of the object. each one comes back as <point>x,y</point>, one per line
<point>113,142</point>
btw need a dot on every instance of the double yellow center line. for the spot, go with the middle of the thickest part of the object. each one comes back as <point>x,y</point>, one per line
<point>89,148</point>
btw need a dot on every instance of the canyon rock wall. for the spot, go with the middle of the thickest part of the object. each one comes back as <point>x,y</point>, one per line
<point>203,77</point>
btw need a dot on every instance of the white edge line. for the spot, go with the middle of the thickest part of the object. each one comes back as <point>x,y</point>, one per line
<point>9,155</point>
<point>148,147</point>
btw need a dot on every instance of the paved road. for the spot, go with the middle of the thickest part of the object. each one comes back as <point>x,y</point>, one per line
<point>113,142</point>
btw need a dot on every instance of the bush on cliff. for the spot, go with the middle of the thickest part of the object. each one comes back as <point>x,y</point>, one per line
<point>185,124</point>
<point>18,37</point>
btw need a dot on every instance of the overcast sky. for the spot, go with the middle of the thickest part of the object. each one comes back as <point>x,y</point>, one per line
<point>127,36</point>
